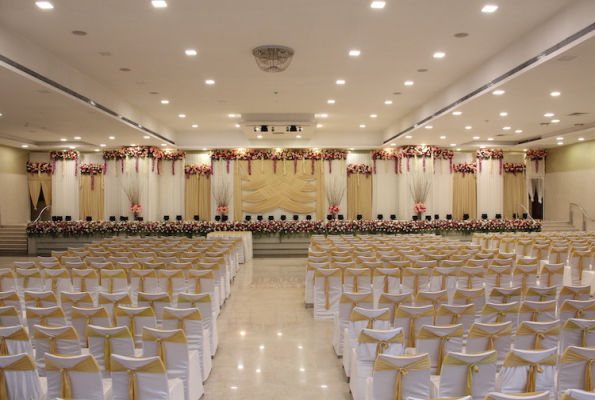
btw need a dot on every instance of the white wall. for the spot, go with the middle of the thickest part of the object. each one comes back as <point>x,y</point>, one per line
<point>15,204</point>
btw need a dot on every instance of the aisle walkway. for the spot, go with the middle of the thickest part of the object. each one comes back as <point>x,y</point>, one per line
<point>270,346</point>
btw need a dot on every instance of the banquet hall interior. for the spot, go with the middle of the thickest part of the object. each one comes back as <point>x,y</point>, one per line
<point>278,133</point>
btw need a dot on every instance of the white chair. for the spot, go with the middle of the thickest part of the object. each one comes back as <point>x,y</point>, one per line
<point>437,341</point>
<point>20,378</point>
<point>574,293</point>
<point>157,301</point>
<point>10,316</point>
<point>14,340</point>
<point>415,279</point>
<point>40,299</point>
<point>46,316</point>
<point>552,275</point>
<point>113,281</point>
<point>468,374</point>
<point>143,280</point>
<point>205,305</point>
<point>311,267</point>
<point>74,377</point>
<point>370,343</point>
<point>505,295</point>
<point>392,301</point>
<point>451,315</point>
<point>8,281</point>
<point>471,277</point>
<point>435,299</point>
<point>411,319</point>
<point>61,340</point>
<point>399,377</point>
<point>341,319</point>
<point>541,294</point>
<point>497,313</point>
<point>537,311</point>
<point>85,316</point>
<point>105,341</point>
<point>24,264</point>
<point>526,371</point>
<point>327,291</point>
<point>203,281</point>
<point>145,377</point>
<point>576,369</point>
<point>172,282</point>
<point>578,332</point>
<point>469,296</point>
<point>520,396</point>
<point>28,280</point>
<point>576,394</point>
<point>524,275</point>
<point>10,299</point>
<point>357,280</point>
<point>111,301</point>
<point>136,318</point>
<point>444,278</point>
<point>491,336</point>
<point>386,280</point>
<point>85,280</point>
<point>57,280</point>
<point>499,274</point>
<point>70,299</point>
<point>537,335</point>
<point>584,309</point>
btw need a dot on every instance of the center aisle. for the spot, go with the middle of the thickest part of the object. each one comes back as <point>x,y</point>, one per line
<point>270,346</point>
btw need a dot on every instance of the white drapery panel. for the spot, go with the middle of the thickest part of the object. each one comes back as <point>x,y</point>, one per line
<point>385,197</point>
<point>414,172</point>
<point>171,190</point>
<point>65,189</point>
<point>535,179</point>
<point>441,193</point>
<point>489,188</point>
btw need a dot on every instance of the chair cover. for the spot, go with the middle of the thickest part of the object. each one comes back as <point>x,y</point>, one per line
<point>143,281</point>
<point>576,369</point>
<point>157,301</point>
<point>142,379</point>
<point>526,371</point>
<point>552,275</point>
<point>370,343</point>
<point>219,278</point>
<point>357,280</point>
<point>444,278</point>
<point>85,280</point>
<point>507,245</point>
<point>114,281</point>
<point>505,295</point>
<point>28,280</point>
<point>346,304</point>
<point>468,296</point>
<point>558,255</point>
<point>524,247</point>
<point>435,299</point>
<point>468,374</point>
<point>10,316</point>
<point>575,394</point>
<point>40,299</point>
<point>105,341</point>
<point>537,311</point>
<point>112,300</point>
<point>74,377</point>
<point>202,281</point>
<point>452,315</point>
<point>190,321</point>
<point>61,340</point>
<point>584,309</point>
<point>85,316</point>
<point>578,332</point>
<point>579,261</point>
<point>518,396</point>
<point>399,377</point>
<point>415,279</point>
<point>46,316</point>
<point>498,313</point>
<point>24,264</point>
<point>498,276</point>
<point>19,378</point>
<point>386,280</point>
<point>392,301</point>
<point>574,293</point>
<point>221,269</point>
<point>14,340</point>
<point>524,276</point>
<point>491,336</point>
<point>480,260</point>
<point>8,281</point>
<point>136,318</point>
<point>205,305</point>
<point>327,291</point>
<point>541,294</point>
<point>437,341</point>
<point>10,299</point>
<point>49,265</point>
<point>172,282</point>
<point>537,335</point>
<point>411,319</point>
<point>70,299</point>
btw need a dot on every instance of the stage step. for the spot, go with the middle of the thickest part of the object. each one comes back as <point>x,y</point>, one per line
<point>276,246</point>
<point>554,226</point>
<point>13,239</point>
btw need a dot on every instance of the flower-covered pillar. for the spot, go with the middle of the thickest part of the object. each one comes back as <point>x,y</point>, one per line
<point>65,183</point>
<point>489,182</point>
<point>535,160</point>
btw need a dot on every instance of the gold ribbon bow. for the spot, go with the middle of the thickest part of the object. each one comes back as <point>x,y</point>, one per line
<point>476,332</point>
<point>550,274</point>
<point>356,316</point>
<point>444,311</point>
<point>381,344</point>
<point>488,309</point>
<point>203,299</point>
<point>177,337</point>
<point>420,365</point>
<point>400,313</point>
<point>526,330</point>
<point>26,363</point>
<point>416,275</point>
<point>147,312</point>
<point>98,312</point>
<point>525,308</point>
<point>26,277</point>
<point>119,275</point>
<point>57,313</point>
<point>567,291</point>
<point>422,298</point>
<point>10,297</point>
<point>512,360</point>
<point>89,275</point>
<point>580,312</point>
<point>505,296</point>
<point>123,300</point>
<point>525,274</point>
<point>385,276</point>
<point>472,368</point>
<point>153,367</point>
<point>107,344</point>
<point>193,316</point>
<point>69,334</point>
<point>87,365</point>
<point>570,356</point>
<point>86,298</point>
<point>498,274</point>
<point>197,278</point>
<point>468,299</point>
<point>32,296</point>
<point>444,277</point>
<point>425,334</point>
<point>20,334</point>
<point>319,274</point>
<point>572,326</point>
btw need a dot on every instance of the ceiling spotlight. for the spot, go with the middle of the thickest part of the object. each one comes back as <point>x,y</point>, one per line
<point>25,146</point>
<point>191,52</point>
<point>362,126</point>
<point>182,115</point>
<point>164,101</point>
<point>489,9</point>
<point>442,137</point>
<point>46,5</point>
<point>319,126</point>
<point>354,53</point>
<point>408,83</point>
<point>555,121</point>
<point>298,136</point>
<point>555,94</point>
<point>428,126</point>
<point>490,138</point>
<point>159,4</point>
<point>77,138</point>
<point>498,92</point>
<point>101,145</point>
<point>340,82</point>
<point>439,55</point>
<point>146,137</point>
<point>210,82</point>
<point>63,140</point>
<point>256,129</point>
<point>468,127</point>
<point>560,142</point>
<point>503,114</point>
<point>237,125</point>
<point>407,137</point>
<point>331,101</point>
<point>323,115</point>
<point>264,128</point>
<point>506,128</point>
<point>581,139</point>
<point>548,115</point>
<point>559,138</point>
<point>231,115</point>
<point>259,136</point>
<point>393,144</point>
<point>457,113</point>
<point>112,137</point>
<point>378,4</point>
<point>518,131</point>
<point>388,102</point>
<point>475,137</point>
<point>273,58</point>
<point>373,116</point>
<point>195,126</point>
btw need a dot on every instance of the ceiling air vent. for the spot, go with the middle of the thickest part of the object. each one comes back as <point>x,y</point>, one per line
<point>576,114</point>
<point>529,140</point>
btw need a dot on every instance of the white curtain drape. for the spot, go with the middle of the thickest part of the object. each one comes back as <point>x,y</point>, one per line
<point>535,179</point>
<point>171,190</point>
<point>221,177</point>
<point>65,190</point>
<point>441,193</point>
<point>410,174</point>
<point>489,188</point>
<point>385,187</point>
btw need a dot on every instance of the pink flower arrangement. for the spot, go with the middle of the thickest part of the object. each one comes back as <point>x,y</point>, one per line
<point>420,208</point>
<point>136,208</point>
<point>39,168</point>
<point>222,209</point>
<point>465,168</point>
<point>333,209</point>
<point>536,154</point>
<point>365,169</point>
<point>385,154</point>
<point>198,169</point>
<point>64,155</point>
<point>490,153</point>
<point>92,169</point>
<point>515,168</point>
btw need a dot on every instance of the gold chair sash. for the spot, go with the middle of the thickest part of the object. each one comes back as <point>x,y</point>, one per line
<point>26,277</point>
<point>400,313</point>
<point>153,367</point>
<point>49,298</point>
<point>557,253</point>
<point>566,397</point>
<point>419,365</point>
<point>319,274</point>
<point>525,308</point>
<point>409,272</point>
<point>570,356</point>
<point>452,361</point>
<point>177,337</point>
<point>21,334</point>
<point>542,296</point>
<point>444,277</point>
<point>476,332</point>
<point>550,274</point>
<point>11,312</point>
<point>177,274</point>
<point>57,313</point>
<point>10,297</point>
<point>107,345</point>
<point>62,275</point>
<point>69,334</point>
<point>580,312</point>
<point>197,279</point>
<point>193,316</point>
<point>142,277</point>
<point>75,302</point>
<point>512,360</point>
<point>458,295</point>
<point>526,330</point>
<point>425,334</point>
<point>356,316</point>
<point>487,309</point>
<point>566,291</point>
<point>572,326</point>
<point>525,275</point>
<point>506,297</point>
<point>119,275</point>
<point>89,364</point>
<point>580,257</point>
<point>8,275</point>
<point>148,312</point>
<point>92,274</point>
<point>100,312</point>
<point>26,363</point>
<point>184,299</point>
<point>471,275</point>
<point>379,275</point>
<point>488,397</point>
<point>123,300</point>
<point>381,344</point>
<point>443,311</point>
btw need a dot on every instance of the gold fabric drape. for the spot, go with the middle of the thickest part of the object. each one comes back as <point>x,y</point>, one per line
<point>198,197</point>
<point>359,196</point>
<point>40,183</point>
<point>91,200</point>
<point>464,196</point>
<point>515,191</point>
<point>295,190</point>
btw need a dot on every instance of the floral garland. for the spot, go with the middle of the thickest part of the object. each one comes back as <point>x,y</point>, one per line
<point>387,154</point>
<point>536,155</point>
<point>365,169</point>
<point>490,153</point>
<point>515,168</point>
<point>39,168</point>
<point>416,151</point>
<point>465,168</point>
<point>65,155</point>
<point>198,169</point>
<point>92,169</point>
<point>443,154</point>
<point>141,152</point>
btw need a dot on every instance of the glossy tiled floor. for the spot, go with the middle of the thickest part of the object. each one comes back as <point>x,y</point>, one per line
<point>270,346</point>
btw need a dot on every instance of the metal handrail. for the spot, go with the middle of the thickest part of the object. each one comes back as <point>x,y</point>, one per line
<point>39,216</point>
<point>524,208</point>
<point>585,216</point>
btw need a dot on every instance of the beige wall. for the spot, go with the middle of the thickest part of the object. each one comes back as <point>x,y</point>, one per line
<point>570,178</point>
<point>14,193</point>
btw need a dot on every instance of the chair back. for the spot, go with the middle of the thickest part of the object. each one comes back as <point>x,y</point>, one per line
<point>20,378</point>
<point>54,340</point>
<point>139,378</point>
<point>468,374</point>
<point>15,340</point>
<point>400,377</point>
<point>526,371</point>
<point>491,336</point>
<point>537,335</point>
<point>74,377</point>
<point>105,341</point>
<point>577,332</point>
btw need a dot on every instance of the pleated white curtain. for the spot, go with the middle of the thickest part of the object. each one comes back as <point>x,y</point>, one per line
<point>410,174</point>
<point>385,198</point>
<point>441,193</point>
<point>222,177</point>
<point>535,179</point>
<point>171,189</point>
<point>489,188</point>
<point>65,190</point>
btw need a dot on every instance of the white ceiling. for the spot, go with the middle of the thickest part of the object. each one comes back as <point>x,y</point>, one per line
<point>395,43</point>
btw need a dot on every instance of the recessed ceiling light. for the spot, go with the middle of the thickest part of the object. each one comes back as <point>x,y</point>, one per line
<point>234,387</point>
<point>506,128</point>
<point>559,138</point>
<point>195,126</point>
<point>428,126</point>
<point>560,142</point>
<point>77,138</point>
<point>489,9</point>
<point>490,138</point>
<point>146,137</point>
<point>354,53</point>
<point>204,148</point>
<point>323,386</point>
<point>96,149</point>
<point>388,102</point>
<point>237,125</point>
<point>72,147</point>
<point>331,101</point>
<point>259,136</point>
<point>503,114</point>
<point>159,4</point>
<point>407,137</point>
<point>497,92</point>
<point>439,55</point>
<point>393,144</point>
<point>581,138</point>
<point>163,144</point>
<point>362,126</point>
<point>133,144</point>
<point>191,52</point>
<point>340,82</point>
<point>63,140</point>
<point>112,137</point>
<point>524,149</point>
<point>210,82</point>
<point>457,113</point>
<point>453,144</point>
<point>373,116</point>
<point>378,4</point>
<point>299,136</point>
<point>458,149</point>
<point>548,115</point>
<point>442,137</point>
<point>182,115</point>
<point>518,131</point>
<point>555,121</point>
<point>408,83</point>
<point>468,127</point>
<point>231,115</point>
<point>475,137</point>
<point>555,94</point>
<point>323,115</point>
<point>25,145</point>
<point>101,145</point>
<point>164,101</point>
<point>46,5</point>
<point>319,126</point>
<point>257,370</point>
